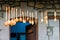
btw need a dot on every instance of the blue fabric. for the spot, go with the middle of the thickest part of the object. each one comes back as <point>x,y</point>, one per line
<point>22,37</point>
<point>19,27</point>
<point>13,38</point>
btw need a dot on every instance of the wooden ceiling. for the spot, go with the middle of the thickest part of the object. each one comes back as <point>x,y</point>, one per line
<point>36,4</point>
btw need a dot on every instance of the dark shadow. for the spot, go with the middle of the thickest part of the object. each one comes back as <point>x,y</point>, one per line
<point>31,32</point>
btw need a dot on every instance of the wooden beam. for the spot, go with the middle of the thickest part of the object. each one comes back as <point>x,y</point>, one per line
<point>52,17</point>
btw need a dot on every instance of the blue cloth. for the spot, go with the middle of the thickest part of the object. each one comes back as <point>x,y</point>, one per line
<point>19,28</point>
<point>13,38</point>
<point>22,37</point>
